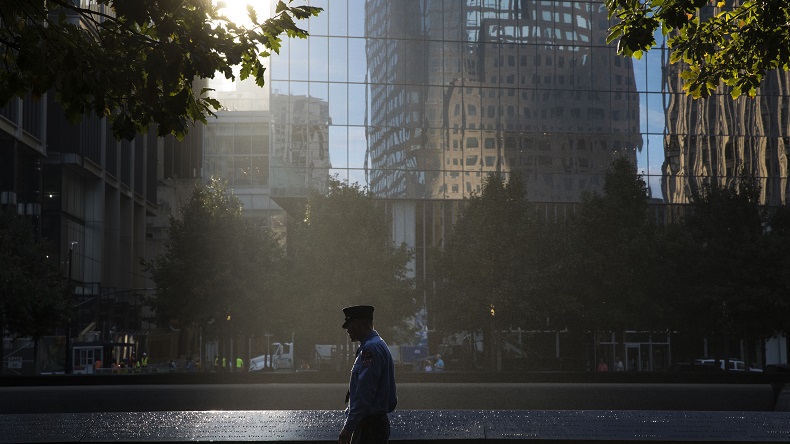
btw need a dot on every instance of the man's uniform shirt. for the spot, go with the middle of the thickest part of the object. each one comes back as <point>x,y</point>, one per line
<point>371,390</point>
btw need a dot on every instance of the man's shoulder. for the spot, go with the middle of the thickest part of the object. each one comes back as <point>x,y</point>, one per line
<point>374,345</point>
<point>372,339</point>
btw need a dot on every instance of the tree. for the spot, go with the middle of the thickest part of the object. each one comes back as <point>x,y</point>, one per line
<point>493,271</point>
<point>342,254</point>
<point>736,284</point>
<point>134,61</point>
<point>777,253</point>
<point>482,266</point>
<point>34,295</point>
<point>609,269</point>
<point>218,269</point>
<point>720,41</point>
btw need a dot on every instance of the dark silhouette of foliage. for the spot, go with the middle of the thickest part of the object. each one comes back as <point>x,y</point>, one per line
<point>34,294</point>
<point>134,61</point>
<point>611,261</point>
<point>217,264</point>
<point>342,254</point>
<point>734,283</point>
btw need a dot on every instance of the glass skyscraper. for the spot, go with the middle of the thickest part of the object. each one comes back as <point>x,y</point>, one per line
<point>421,99</point>
<point>426,98</point>
<point>495,87</point>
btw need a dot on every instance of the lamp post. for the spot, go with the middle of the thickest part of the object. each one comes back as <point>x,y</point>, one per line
<point>266,361</point>
<point>67,363</point>
<point>231,360</point>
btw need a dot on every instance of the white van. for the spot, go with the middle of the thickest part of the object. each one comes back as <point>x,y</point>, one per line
<point>735,365</point>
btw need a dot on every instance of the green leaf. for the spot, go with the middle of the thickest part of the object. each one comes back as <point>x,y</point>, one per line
<point>614,33</point>
<point>138,66</point>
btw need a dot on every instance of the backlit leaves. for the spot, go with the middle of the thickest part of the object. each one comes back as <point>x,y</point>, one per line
<point>719,42</point>
<point>134,61</point>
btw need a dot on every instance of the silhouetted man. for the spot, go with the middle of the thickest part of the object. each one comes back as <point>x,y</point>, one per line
<point>371,390</point>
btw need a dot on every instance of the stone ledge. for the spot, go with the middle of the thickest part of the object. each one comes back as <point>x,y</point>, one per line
<point>409,426</point>
<point>402,377</point>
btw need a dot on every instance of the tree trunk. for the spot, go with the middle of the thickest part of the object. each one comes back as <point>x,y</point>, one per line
<point>35,354</point>
<point>491,346</point>
<point>2,345</point>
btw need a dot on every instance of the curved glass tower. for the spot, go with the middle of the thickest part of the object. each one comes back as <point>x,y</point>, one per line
<point>478,87</point>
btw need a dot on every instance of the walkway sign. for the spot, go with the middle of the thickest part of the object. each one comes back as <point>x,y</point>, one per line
<point>15,362</point>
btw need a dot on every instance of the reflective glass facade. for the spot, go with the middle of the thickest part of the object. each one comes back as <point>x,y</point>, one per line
<point>426,97</point>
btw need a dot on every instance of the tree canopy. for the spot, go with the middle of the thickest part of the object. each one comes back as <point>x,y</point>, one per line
<point>485,267</point>
<point>737,275</point>
<point>720,272</point>
<point>134,61</point>
<point>217,266</point>
<point>732,42</point>
<point>223,270</point>
<point>610,271</point>
<point>342,254</point>
<point>588,270</point>
<point>34,295</point>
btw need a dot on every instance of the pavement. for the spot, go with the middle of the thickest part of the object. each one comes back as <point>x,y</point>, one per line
<point>408,426</point>
<point>140,397</point>
<point>130,410</point>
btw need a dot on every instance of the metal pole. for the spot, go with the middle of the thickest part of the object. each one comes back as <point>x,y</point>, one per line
<point>266,363</point>
<point>67,363</point>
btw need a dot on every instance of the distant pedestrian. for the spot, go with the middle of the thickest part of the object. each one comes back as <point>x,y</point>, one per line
<point>618,365</point>
<point>602,367</point>
<point>439,364</point>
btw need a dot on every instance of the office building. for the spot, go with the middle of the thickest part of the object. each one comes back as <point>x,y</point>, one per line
<point>426,98</point>
<point>270,148</point>
<point>102,204</point>
<point>469,89</point>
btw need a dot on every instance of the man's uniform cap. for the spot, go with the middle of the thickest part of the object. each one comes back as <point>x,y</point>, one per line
<point>357,312</point>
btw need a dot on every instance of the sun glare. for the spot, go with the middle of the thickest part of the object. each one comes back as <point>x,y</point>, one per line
<point>236,10</point>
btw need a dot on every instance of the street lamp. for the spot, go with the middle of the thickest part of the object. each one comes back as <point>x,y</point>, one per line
<point>266,361</point>
<point>67,363</point>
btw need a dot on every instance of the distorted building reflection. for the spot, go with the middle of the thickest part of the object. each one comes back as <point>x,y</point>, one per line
<point>300,144</point>
<point>473,88</point>
<point>717,139</point>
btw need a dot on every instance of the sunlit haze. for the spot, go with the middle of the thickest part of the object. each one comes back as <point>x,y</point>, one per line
<point>236,10</point>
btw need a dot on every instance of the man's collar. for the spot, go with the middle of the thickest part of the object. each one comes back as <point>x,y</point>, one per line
<point>371,335</point>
